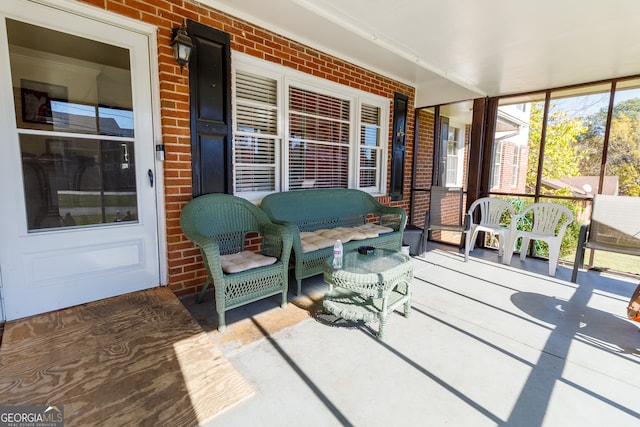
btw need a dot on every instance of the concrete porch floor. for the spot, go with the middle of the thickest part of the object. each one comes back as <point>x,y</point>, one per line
<point>485,345</point>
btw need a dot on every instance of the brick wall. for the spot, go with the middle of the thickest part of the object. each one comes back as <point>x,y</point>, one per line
<point>186,273</point>
<point>424,166</point>
<point>506,170</point>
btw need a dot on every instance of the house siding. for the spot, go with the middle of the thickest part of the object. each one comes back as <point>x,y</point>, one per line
<point>186,273</point>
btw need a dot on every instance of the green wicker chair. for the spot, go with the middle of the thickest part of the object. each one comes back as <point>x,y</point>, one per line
<point>218,224</point>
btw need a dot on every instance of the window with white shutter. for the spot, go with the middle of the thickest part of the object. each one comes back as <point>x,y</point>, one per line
<point>453,157</point>
<point>318,140</point>
<point>514,166</point>
<point>370,147</point>
<point>294,131</point>
<point>256,133</point>
<point>497,165</point>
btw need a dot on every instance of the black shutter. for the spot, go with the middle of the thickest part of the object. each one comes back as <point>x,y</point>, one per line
<point>210,110</point>
<point>398,150</point>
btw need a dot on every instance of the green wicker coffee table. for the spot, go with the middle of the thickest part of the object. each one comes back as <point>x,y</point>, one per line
<point>369,287</point>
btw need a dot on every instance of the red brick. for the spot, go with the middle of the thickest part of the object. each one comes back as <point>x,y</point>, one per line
<point>186,272</point>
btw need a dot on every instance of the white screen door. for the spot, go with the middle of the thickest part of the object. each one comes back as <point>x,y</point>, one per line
<point>78,218</point>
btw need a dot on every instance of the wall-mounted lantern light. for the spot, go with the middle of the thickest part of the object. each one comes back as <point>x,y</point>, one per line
<point>182,45</point>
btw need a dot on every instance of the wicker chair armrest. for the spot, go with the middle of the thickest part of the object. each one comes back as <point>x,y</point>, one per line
<point>277,241</point>
<point>394,210</point>
<point>293,231</point>
<point>211,256</point>
<point>290,225</point>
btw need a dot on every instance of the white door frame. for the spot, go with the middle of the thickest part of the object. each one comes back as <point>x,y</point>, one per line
<point>150,32</point>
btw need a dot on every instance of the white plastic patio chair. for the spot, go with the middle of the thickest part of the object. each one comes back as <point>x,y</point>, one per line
<point>549,224</point>
<point>491,212</point>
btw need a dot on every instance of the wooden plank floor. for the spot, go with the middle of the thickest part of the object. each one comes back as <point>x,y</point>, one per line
<point>137,359</point>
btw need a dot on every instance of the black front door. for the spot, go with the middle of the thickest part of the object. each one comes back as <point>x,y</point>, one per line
<point>210,110</point>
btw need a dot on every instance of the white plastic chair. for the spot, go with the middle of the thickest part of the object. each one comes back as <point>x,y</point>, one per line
<point>491,212</point>
<point>550,222</point>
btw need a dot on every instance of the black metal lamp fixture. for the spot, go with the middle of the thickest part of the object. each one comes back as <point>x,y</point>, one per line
<point>182,45</point>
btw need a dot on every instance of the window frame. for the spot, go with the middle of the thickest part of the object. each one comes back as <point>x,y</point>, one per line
<point>515,167</point>
<point>305,86</point>
<point>496,164</point>
<point>286,78</point>
<point>277,138</point>
<point>381,162</point>
<point>457,130</point>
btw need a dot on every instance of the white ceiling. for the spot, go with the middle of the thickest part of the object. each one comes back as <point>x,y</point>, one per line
<point>452,50</point>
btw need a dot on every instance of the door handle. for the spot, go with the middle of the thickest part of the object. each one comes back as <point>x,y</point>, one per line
<point>150,173</point>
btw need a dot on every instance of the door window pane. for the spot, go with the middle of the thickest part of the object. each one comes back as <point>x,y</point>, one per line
<point>75,181</point>
<point>74,113</point>
<point>453,150</point>
<point>455,128</point>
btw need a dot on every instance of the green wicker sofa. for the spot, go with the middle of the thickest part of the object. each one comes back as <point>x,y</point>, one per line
<point>305,211</point>
<point>219,224</point>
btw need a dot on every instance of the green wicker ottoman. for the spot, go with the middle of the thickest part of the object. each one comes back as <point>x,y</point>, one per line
<point>369,287</point>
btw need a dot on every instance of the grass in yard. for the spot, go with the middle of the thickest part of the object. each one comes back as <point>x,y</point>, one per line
<point>609,261</point>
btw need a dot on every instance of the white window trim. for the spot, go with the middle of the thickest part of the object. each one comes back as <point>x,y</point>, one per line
<point>288,77</point>
<point>266,72</point>
<point>459,152</point>
<point>515,167</point>
<point>497,153</point>
<point>383,105</point>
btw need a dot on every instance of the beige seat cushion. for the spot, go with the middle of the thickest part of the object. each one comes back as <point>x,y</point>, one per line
<point>324,238</point>
<point>235,263</point>
<point>374,228</point>
<point>361,233</point>
<point>312,241</point>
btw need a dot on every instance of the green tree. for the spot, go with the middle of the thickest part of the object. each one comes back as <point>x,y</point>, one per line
<point>570,238</point>
<point>623,154</point>
<point>561,153</point>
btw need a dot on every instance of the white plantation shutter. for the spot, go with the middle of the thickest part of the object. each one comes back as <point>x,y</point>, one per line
<point>256,137</point>
<point>318,144</point>
<point>370,147</point>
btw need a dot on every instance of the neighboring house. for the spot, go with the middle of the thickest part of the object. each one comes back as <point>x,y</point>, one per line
<point>511,149</point>
<point>583,186</point>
